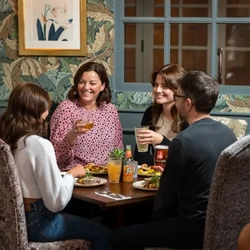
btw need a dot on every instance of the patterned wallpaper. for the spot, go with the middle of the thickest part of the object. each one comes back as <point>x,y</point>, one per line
<point>55,74</point>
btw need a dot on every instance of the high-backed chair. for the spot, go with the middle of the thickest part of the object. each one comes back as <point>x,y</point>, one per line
<point>13,231</point>
<point>229,200</point>
<point>239,126</point>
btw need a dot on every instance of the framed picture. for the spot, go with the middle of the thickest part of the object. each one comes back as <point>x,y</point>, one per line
<point>52,27</point>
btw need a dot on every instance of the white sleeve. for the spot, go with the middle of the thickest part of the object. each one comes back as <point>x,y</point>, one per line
<point>55,190</point>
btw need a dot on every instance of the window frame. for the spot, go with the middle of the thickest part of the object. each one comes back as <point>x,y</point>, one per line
<point>214,20</point>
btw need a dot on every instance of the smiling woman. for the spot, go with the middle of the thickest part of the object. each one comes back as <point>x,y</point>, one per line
<point>161,117</point>
<point>90,95</point>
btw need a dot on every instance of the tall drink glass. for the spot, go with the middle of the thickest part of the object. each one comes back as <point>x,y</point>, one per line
<point>160,155</point>
<point>114,165</point>
<point>141,147</point>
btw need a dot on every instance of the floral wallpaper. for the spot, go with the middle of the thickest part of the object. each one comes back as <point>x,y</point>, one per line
<point>55,74</point>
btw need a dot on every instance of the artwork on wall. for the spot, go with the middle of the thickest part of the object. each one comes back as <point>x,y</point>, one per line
<point>52,27</point>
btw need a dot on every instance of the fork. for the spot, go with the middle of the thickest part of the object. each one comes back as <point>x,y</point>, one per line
<point>108,192</point>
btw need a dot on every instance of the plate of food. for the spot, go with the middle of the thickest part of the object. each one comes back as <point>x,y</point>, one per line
<point>145,170</point>
<point>148,184</point>
<point>96,169</point>
<point>89,181</point>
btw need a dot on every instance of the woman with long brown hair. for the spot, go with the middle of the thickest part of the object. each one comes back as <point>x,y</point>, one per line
<point>161,117</point>
<point>23,126</point>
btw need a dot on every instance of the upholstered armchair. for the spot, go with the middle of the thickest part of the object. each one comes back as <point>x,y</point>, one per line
<point>13,233</point>
<point>229,200</point>
<point>239,126</point>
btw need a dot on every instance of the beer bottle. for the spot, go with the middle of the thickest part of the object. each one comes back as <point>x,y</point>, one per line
<point>128,165</point>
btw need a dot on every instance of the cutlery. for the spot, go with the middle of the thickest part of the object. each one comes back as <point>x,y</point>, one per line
<point>109,193</point>
<point>115,194</point>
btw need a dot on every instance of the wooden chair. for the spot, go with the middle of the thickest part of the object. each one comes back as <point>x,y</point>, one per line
<point>229,200</point>
<point>13,231</point>
<point>244,238</point>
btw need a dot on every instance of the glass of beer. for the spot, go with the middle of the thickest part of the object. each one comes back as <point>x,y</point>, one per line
<point>141,147</point>
<point>85,123</point>
<point>160,155</point>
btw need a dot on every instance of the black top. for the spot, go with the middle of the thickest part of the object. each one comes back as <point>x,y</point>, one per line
<point>148,157</point>
<point>185,182</point>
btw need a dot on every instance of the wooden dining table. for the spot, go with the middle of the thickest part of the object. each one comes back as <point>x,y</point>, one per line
<point>137,197</point>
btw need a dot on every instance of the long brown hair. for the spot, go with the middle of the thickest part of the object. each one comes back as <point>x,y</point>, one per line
<point>105,95</point>
<point>171,73</point>
<point>27,103</point>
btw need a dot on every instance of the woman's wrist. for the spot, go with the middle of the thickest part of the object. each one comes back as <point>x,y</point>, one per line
<point>69,173</point>
<point>161,139</point>
<point>71,137</point>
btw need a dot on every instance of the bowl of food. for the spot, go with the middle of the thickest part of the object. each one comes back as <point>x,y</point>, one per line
<point>88,179</point>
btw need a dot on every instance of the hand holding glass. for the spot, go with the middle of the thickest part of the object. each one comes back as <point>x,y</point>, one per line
<point>141,147</point>
<point>85,123</point>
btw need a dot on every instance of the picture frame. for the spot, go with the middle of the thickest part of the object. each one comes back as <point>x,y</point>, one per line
<point>54,28</point>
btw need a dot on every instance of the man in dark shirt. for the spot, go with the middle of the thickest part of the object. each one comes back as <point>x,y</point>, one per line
<point>181,200</point>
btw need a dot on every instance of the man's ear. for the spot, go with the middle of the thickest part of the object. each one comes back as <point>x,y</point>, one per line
<point>189,103</point>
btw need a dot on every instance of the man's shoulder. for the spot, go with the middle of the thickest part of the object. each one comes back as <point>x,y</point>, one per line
<point>205,128</point>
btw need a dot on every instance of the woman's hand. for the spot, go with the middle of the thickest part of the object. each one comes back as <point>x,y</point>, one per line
<point>77,171</point>
<point>147,136</point>
<point>77,129</point>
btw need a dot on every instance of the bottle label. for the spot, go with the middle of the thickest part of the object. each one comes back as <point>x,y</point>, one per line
<point>160,154</point>
<point>128,153</point>
<point>128,170</point>
<point>128,173</point>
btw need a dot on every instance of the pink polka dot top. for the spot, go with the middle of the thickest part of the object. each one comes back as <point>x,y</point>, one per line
<point>95,145</point>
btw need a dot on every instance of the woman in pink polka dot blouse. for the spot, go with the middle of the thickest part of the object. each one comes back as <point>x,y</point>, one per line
<point>90,95</point>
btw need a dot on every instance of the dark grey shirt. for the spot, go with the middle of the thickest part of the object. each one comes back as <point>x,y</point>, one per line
<point>185,182</point>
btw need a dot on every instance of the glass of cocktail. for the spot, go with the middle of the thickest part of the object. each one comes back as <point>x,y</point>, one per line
<point>114,165</point>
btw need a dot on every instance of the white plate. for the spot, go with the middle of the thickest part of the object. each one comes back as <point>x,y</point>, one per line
<point>102,182</point>
<point>140,185</point>
<point>98,173</point>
